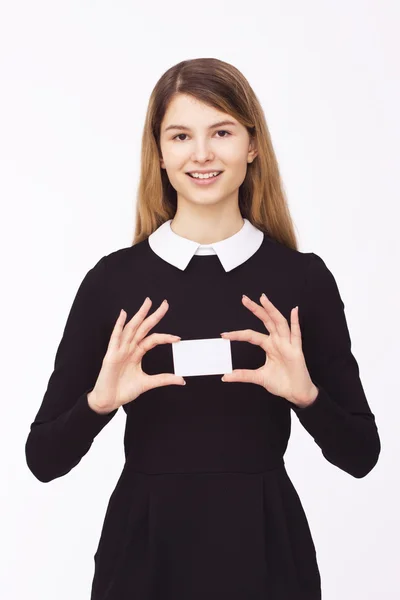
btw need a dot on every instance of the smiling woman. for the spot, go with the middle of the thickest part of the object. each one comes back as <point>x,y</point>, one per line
<point>204,507</point>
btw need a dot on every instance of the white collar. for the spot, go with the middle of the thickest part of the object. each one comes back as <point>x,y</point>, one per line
<point>232,252</point>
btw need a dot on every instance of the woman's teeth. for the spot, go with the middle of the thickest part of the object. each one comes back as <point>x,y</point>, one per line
<point>205,175</point>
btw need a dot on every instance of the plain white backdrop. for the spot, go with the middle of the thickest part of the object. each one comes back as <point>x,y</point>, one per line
<point>75,82</point>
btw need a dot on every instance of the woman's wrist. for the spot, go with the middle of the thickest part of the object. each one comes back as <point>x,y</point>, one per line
<point>308,398</point>
<point>91,399</point>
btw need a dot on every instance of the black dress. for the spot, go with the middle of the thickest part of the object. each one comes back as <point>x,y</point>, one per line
<point>204,507</point>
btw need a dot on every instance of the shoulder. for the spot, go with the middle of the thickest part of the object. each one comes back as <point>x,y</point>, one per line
<point>307,271</point>
<point>318,276</point>
<point>116,264</point>
<point>119,261</point>
<point>289,260</point>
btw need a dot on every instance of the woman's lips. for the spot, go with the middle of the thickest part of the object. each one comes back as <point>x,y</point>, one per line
<point>208,181</point>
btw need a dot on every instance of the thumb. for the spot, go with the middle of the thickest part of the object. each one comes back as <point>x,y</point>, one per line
<point>244,375</point>
<point>163,379</point>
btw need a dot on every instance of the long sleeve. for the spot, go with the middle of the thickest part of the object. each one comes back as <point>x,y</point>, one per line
<point>65,425</point>
<point>340,419</point>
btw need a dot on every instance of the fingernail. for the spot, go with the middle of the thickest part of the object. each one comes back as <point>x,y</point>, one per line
<point>263,295</point>
<point>244,296</point>
<point>222,379</point>
<point>223,333</point>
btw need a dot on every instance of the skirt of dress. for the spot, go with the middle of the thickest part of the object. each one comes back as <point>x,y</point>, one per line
<point>205,536</point>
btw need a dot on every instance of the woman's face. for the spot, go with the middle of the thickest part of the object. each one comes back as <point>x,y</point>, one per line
<point>200,144</point>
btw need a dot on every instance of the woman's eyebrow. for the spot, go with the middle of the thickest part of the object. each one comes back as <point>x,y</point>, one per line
<point>183,127</point>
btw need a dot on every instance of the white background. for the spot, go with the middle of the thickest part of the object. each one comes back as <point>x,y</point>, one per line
<point>75,83</point>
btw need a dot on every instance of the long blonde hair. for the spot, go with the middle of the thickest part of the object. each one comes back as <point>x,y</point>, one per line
<point>220,85</point>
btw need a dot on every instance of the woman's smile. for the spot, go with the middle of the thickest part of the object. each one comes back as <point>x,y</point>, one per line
<point>204,181</point>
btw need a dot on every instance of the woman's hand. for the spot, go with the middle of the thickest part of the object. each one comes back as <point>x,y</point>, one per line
<point>121,378</point>
<point>285,372</point>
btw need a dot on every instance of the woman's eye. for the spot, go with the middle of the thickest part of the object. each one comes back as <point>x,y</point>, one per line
<point>219,131</point>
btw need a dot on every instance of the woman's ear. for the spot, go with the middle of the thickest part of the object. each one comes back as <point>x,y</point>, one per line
<point>252,153</point>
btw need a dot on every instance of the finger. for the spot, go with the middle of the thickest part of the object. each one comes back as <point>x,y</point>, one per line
<point>248,335</point>
<point>136,320</point>
<point>261,313</point>
<point>140,326</point>
<point>282,326</point>
<point>243,375</point>
<point>162,379</point>
<point>153,340</point>
<point>295,332</point>
<point>115,337</point>
<point>151,321</point>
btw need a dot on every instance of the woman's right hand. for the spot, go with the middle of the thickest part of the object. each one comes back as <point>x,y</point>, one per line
<point>121,378</point>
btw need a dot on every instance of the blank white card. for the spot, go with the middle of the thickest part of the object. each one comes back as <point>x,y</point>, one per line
<point>202,357</point>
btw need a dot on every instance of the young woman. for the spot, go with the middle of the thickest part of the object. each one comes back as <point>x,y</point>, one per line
<point>204,507</point>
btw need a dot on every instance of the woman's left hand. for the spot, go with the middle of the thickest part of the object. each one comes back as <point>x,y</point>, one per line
<point>285,372</point>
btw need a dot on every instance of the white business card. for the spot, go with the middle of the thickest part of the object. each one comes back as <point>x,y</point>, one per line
<point>202,357</point>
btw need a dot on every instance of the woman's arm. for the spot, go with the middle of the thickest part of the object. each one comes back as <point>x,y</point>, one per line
<point>66,425</point>
<point>339,419</point>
